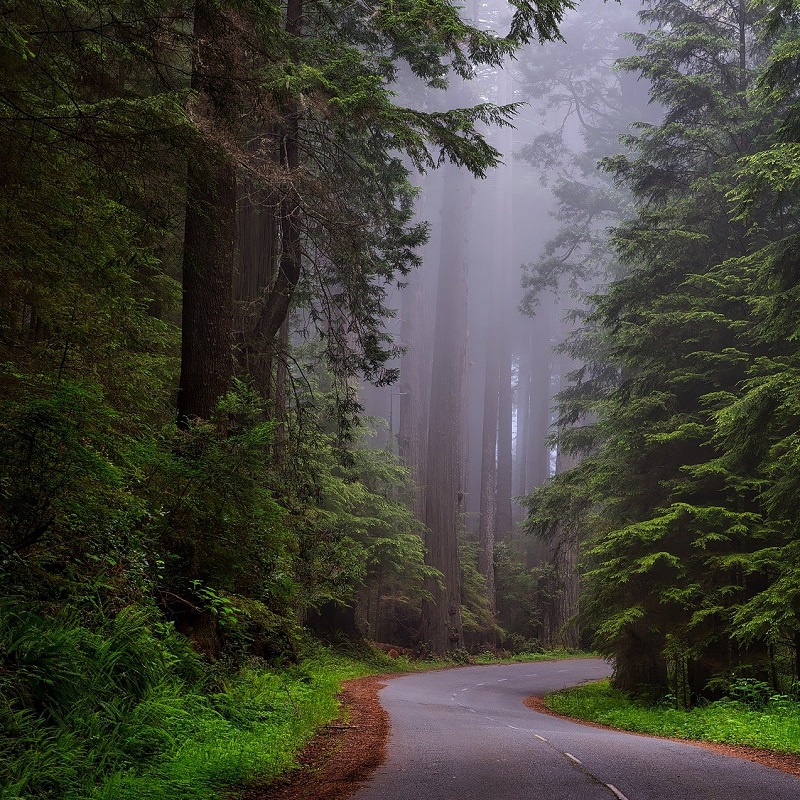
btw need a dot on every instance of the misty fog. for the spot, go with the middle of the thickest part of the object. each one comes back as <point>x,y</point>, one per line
<point>529,256</point>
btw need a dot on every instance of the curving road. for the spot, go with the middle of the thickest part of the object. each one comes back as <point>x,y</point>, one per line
<point>464,734</point>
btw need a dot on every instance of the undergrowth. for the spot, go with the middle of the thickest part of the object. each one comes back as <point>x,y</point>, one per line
<point>528,656</point>
<point>129,712</point>
<point>773,724</point>
<point>124,709</point>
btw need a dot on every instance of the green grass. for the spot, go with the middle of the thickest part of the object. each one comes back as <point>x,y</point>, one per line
<point>175,741</point>
<point>253,729</point>
<point>521,658</point>
<point>125,710</point>
<point>775,726</point>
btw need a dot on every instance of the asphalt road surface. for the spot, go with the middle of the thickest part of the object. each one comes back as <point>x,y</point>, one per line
<point>464,734</point>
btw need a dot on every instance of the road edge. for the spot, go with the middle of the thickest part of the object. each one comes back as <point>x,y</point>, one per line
<point>342,755</point>
<point>783,762</point>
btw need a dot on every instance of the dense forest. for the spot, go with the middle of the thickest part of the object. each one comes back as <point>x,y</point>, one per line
<point>452,329</point>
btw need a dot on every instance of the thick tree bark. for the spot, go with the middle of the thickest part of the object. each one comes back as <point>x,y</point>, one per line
<point>441,629</point>
<point>506,266</point>
<point>208,256</point>
<point>414,388</point>
<point>256,250</point>
<point>487,533</point>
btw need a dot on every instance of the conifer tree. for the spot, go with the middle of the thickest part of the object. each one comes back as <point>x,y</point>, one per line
<point>758,425</point>
<point>673,516</point>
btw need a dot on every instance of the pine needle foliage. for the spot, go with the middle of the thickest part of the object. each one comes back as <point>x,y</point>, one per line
<point>682,493</point>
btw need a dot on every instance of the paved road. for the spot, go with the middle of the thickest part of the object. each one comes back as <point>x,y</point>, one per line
<point>464,734</point>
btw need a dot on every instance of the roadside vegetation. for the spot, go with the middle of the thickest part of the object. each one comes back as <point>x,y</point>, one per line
<point>488,657</point>
<point>130,711</point>
<point>751,714</point>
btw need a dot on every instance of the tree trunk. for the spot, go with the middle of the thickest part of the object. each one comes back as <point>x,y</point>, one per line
<point>414,388</point>
<point>441,629</point>
<point>564,557</point>
<point>256,251</point>
<point>209,245</point>
<point>504,266</point>
<point>489,495</point>
<point>415,378</point>
<point>505,488</point>
<point>279,298</point>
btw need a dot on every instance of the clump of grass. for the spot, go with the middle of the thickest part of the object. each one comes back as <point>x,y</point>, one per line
<point>775,726</point>
<point>253,728</point>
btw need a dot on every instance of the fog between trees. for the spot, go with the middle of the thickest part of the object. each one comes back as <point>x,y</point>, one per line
<point>362,320</point>
<point>530,264</point>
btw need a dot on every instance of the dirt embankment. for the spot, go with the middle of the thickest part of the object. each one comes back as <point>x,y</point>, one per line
<point>342,755</point>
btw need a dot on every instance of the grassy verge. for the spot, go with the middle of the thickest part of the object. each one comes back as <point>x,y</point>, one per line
<point>255,727</point>
<point>125,710</point>
<point>524,658</point>
<point>171,737</point>
<point>775,725</point>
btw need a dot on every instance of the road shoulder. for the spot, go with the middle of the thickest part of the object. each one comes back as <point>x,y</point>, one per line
<point>785,762</point>
<point>341,755</point>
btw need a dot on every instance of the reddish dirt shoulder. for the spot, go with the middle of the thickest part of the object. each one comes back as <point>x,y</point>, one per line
<point>343,754</point>
<point>785,762</point>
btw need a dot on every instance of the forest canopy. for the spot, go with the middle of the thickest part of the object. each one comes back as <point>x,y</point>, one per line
<point>452,328</point>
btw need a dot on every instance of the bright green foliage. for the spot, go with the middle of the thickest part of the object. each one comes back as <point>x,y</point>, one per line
<point>479,623</point>
<point>121,711</point>
<point>213,510</point>
<point>772,723</point>
<point>758,424</point>
<point>678,515</point>
<point>360,525</point>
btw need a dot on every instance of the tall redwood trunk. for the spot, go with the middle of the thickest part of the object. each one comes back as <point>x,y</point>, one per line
<point>505,267</point>
<point>441,629</point>
<point>414,388</point>
<point>209,242</point>
<point>487,532</point>
<point>256,250</point>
